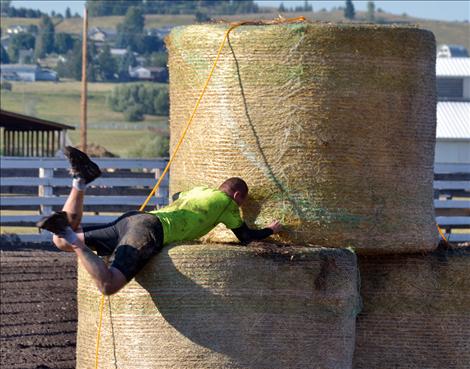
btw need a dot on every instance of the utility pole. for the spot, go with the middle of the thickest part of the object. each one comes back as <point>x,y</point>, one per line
<point>83,101</point>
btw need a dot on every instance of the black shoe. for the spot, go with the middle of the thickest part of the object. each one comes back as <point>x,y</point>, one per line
<point>56,223</point>
<point>81,165</point>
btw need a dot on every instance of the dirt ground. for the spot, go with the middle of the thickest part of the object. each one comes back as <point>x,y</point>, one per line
<point>38,308</point>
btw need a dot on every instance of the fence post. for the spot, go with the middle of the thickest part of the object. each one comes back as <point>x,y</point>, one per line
<point>162,191</point>
<point>45,190</point>
<point>158,193</point>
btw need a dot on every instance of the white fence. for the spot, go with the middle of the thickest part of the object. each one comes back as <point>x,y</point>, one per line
<point>37,186</point>
<point>452,200</point>
<point>125,184</point>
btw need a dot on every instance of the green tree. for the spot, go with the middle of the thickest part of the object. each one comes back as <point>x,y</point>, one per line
<point>307,7</point>
<point>63,42</point>
<point>202,16</point>
<point>128,60</point>
<point>134,113</point>
<point>151,145</point>
<point>98,8</point>
<point>130,31</point>
<point>137,99</point>
<point>370,11</point>
<point>4,6</point>
<point>33,29</point>
<point>68,13</point>
<point>45,39</point>
<point>107,66</point>
<point>72,66</point>
<point>161,104</point>
<point>282,8</point>
<point>4,58</point>
<point>349,11</point>
<point>20,41</point>
<point>158,59</point>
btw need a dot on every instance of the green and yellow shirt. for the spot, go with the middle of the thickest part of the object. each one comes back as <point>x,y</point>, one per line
<point>196,212</point>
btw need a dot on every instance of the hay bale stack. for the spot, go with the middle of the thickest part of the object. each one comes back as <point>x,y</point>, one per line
<point>223,306</point>
<point>416,311</point>
<point>332,127</point>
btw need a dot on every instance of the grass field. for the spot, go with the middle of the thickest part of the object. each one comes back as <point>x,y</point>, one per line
<point>60,102</point>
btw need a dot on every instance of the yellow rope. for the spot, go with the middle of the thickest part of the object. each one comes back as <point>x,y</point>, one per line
<point>183,135</point>
<point>190,120</point>
<point>98,335</point>
<point>439,229</point>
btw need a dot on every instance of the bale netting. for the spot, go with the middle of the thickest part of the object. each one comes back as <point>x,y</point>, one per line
<point>332,127</point>
<point>416,311</point>
<point>224,306</point>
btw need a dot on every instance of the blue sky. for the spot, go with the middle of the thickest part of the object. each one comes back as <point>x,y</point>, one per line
<point>440,10</point>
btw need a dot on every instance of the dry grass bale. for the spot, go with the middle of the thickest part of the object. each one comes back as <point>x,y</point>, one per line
<point>224,306</point>
<point>416,311</point>
<point>332,126</point>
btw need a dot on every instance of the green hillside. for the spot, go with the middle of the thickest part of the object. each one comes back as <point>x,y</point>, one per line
<point>446,32</point>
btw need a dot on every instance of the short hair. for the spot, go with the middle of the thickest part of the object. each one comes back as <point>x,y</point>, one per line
<point>233,185</point>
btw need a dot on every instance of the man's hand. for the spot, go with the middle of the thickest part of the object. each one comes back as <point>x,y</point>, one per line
<point>276,226</point>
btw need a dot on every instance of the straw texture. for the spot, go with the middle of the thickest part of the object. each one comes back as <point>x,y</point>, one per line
<point>221,306</point>
<point>332,127</point>
<point>416,311</point>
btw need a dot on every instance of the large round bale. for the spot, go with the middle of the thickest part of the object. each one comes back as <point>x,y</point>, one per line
<point>416,311</point>
<point>332,127</point>
<point>221,306</point>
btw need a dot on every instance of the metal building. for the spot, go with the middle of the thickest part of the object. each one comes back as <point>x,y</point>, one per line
<point>453,110</point>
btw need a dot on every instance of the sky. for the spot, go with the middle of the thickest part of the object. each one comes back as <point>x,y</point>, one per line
<point>449,10</point>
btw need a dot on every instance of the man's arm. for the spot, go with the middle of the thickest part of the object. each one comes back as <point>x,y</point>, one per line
<point>246,235</point>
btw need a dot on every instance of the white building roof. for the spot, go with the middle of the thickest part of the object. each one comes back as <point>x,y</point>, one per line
<point>453,67</point>
<point>453,120</point>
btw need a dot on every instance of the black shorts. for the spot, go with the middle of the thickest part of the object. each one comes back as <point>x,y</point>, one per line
<point>131,240</point>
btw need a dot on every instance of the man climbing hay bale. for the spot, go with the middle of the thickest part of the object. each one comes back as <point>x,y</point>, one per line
<point>136,236</point>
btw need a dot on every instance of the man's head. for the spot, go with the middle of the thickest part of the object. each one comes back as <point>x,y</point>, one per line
<point>236,188</point>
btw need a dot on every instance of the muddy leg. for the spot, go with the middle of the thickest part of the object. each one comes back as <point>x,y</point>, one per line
<point>74,207</point>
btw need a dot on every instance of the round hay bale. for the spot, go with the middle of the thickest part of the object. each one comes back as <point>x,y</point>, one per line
<point>416,311</point>
<point>332,127</point>
<point>221,306</point>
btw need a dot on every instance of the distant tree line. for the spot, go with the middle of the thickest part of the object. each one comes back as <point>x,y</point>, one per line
<point>299,8</point>
<point>102,65</point>
<point>11,11</point>
<point>137,99</point>
<point>130,34</point>
<point>119,7</point>
<point>43,40</point>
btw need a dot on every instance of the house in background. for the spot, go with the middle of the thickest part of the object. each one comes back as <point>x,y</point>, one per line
<point>453,109</point>
<point>27,73</point>
<point>452,51</point>
<point>160,32</point>
<point>101,35</point>
<point>155,74</point>
<point>15,29</point>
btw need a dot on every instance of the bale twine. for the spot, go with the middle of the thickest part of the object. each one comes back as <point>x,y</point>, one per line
<point>416,311</point>
<point>332,127</point>
<point>221,306</point>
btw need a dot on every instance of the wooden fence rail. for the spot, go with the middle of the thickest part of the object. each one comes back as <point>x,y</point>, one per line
<point>452,200</point>
<point>37,186</point>
<point>126,182</point>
